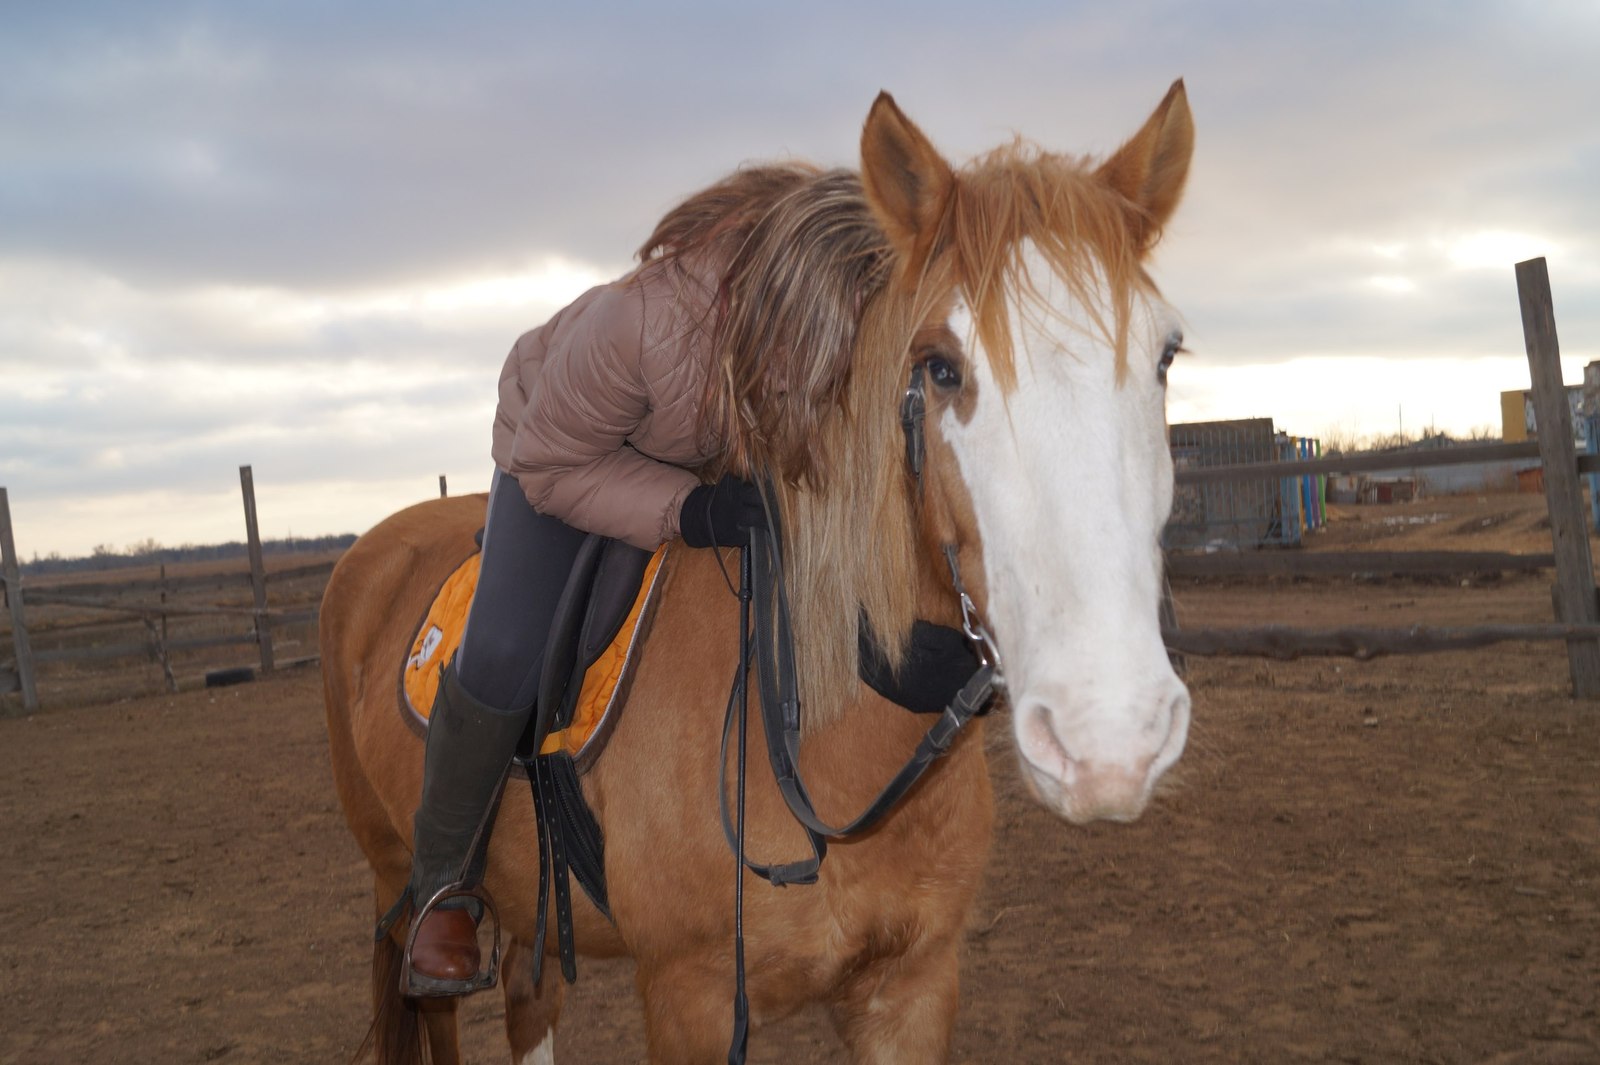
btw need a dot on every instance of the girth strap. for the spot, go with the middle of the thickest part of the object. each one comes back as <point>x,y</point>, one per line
<point>553,864</point>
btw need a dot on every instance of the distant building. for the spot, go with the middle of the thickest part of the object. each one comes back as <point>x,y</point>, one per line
<point>1239,514</point>
<point>1517,421</point>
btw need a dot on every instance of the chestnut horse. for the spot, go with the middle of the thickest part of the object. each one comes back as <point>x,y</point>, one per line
<point>1019,285</point>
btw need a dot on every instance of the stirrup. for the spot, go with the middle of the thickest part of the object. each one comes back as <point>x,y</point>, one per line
<point>419,985</point>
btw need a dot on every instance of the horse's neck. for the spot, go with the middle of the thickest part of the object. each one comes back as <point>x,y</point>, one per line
<point>857,738</point>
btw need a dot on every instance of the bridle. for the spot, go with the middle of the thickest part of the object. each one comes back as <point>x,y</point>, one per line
<point>769,644</point>
<point>913,413</point>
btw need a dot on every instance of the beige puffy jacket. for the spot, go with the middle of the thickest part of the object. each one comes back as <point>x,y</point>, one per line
<point>599,416</point>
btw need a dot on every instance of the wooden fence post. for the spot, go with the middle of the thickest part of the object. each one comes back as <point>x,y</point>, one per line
<point>1576,602</point>
<point>11,577</point>
<point>443,490</point>
<point>258,575</point>
<point>160,635</point>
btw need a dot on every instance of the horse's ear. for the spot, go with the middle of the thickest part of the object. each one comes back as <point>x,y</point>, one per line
<point>907,182</point>
<point>1150,170</point>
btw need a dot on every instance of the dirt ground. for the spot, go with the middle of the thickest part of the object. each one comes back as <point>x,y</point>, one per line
<point>1392,861</point>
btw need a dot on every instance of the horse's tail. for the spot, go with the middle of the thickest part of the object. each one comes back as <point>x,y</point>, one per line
<point>395,1037</point>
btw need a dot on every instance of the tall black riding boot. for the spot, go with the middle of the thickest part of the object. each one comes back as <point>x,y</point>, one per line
<point>469,751</point>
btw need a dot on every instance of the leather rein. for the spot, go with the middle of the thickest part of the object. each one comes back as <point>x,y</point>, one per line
<point>769,645</point>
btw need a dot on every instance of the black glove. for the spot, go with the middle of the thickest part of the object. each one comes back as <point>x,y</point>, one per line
<point>939,662</point>
<point>720,515</point>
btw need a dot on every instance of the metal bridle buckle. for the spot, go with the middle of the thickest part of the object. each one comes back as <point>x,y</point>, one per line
<point>982,642</point>
<point>972,623</point>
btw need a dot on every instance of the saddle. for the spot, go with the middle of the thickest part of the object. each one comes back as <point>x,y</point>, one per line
<point>599,624</point>
<point>602,596</point>
<point>589,657</point>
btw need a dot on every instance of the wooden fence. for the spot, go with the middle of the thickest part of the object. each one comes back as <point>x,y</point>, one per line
<point>1577,606</point>
<point>102,612</point>
<point>1577,619</point>
<point>113,606</point>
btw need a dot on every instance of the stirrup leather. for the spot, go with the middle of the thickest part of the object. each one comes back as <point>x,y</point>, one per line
<point>419,985</point>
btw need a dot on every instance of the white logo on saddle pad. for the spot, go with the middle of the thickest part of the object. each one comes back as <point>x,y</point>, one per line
<point>430,643</point>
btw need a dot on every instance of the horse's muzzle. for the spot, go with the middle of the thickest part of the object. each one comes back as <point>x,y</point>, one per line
<point>1101,764</point>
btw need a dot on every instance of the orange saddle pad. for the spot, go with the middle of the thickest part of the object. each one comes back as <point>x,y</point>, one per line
<point>440,634</point>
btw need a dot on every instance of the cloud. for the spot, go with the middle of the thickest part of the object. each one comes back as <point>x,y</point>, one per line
<point>304,235</point>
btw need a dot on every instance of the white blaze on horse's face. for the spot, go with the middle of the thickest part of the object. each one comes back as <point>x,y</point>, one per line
<point>1070,479</point>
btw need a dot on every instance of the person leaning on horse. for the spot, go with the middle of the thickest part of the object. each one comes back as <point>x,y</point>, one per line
<point>618,417</point>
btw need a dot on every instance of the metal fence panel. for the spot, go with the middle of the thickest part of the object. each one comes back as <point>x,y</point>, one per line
<point>1242,514</point>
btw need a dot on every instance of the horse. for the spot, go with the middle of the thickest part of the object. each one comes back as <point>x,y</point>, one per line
<point>1017,289</point>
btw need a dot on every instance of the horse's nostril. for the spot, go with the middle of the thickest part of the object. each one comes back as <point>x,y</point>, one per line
<point>1040,744</point>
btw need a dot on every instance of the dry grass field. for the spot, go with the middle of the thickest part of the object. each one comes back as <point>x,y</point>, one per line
<point>1379,862</point>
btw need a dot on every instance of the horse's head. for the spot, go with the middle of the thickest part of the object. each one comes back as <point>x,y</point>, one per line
<point>1047,458</point>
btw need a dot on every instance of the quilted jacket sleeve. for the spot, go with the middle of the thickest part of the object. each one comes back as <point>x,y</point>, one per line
<point>570,452</point>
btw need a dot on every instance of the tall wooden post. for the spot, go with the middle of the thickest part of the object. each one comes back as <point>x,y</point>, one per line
<point>443,488</point>
<point>1576,602</point>
<point>11,573</point>
<point>161,638</point>
<point>258,573</point>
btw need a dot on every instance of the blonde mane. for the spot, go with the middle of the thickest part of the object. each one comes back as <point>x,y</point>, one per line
<point>851,547</point>
<point>1018,196</point>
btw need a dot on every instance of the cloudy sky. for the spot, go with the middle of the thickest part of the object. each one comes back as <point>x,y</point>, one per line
<point>303,235</point>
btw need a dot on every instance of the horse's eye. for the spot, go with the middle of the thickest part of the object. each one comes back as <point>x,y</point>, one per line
<point>943,372</point>
<point>1168,353</point>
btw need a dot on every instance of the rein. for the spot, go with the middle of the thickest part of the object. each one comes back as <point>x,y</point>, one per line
<point>763,593</point>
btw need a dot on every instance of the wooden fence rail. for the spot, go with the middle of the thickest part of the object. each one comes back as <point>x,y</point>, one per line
<point>1364,463</point>
<point>1283,642</point>
<point>150,648</point>
<point>1349,563</point>
<point>211,582</point>
<point>316,569</point>
<point>138,609</point>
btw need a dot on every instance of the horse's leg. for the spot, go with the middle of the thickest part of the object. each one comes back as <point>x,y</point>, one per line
<point>531,1009</point>
<point>396,1032</point>
<point>901,1009</point>
<point>444,1037</point>
<point>688,1010</point>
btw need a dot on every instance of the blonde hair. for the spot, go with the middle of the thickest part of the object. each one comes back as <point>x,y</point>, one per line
<point>1017,195</point>
<point>800,257</point>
